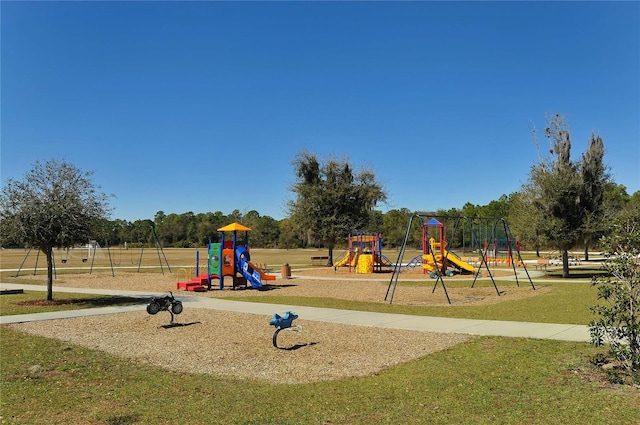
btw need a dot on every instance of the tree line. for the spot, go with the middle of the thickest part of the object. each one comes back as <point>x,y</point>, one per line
<point>191,230</point>
<point>565,204</point>
<point>312,227</point>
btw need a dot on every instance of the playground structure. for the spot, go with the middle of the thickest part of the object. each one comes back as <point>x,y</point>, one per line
<point>436,258</point>
<point>228,259</point>
<point>438,255</point>
<point>364,254</point>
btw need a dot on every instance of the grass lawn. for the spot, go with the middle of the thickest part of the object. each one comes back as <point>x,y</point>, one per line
<point>488,380</point>
<point>564,303</point>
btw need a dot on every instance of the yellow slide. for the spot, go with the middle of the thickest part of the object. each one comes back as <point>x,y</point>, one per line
<point>344,260</point>
<point>454,259</point>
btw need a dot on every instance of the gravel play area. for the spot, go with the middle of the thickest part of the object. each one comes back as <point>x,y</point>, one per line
<point>240,345</point>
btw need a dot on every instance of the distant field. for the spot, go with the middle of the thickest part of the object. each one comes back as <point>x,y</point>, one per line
<point>76,260</point>
<point>150,259</point>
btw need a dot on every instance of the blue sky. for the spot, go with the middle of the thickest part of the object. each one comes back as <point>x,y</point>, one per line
<point>202,106</point>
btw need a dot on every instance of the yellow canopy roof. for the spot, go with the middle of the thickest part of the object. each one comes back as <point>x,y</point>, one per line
<point>233,227</point>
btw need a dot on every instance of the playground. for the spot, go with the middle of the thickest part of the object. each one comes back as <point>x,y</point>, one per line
<point>238,345</point>
<point>230,354</point>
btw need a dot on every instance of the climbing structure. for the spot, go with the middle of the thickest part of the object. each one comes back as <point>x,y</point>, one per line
<point>364,254</point>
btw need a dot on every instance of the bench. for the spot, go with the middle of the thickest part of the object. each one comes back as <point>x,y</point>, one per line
<point>542,264</point>
<point>319,260</point>
<point>264,267</point>
<point>574,261</point>
<point>470,260</point>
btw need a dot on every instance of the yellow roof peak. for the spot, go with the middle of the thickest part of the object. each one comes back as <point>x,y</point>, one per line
<point>234,227</point>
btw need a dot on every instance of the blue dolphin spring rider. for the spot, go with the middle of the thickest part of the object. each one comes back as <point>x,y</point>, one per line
<point>283,322</point>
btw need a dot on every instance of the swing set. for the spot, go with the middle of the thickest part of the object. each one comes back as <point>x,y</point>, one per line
<point>93,247</point>
<point>439,255</point>
<point>135,260</point>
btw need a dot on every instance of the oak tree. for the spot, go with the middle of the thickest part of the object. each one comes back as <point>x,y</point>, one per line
<point>55,205</point>
<point>331,200</point>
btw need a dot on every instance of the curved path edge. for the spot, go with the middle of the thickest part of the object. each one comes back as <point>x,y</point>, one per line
<point>553,331</point>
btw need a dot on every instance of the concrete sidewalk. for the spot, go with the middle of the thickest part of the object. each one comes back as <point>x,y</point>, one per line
<point>562,332</point>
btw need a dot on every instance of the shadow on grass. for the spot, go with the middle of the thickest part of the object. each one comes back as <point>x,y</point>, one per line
<point>101,301</point>
<point>587,274</point>
<point>123,419</point>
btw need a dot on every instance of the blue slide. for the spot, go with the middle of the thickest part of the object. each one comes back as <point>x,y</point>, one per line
<point>243,259</point>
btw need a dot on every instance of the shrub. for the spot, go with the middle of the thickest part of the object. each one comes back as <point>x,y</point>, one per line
<point>617,318</point>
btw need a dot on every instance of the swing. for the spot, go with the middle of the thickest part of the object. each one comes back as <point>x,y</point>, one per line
<point>119,257</point>
<point>137,260</point>
<point>85,258</point>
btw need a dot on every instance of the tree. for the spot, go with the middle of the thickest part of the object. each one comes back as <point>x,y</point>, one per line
<point>159,218</point>
<point>265,230</point>
<point>290,236</point>
<point>394,226</point>
<point>555,188</point>
<point>208,225</point>
<point>330,201</point>
<point>55,206</point>
<point>497,209</point>
<point>616,199</point>
<point>525,220</point>
<point>617,320</point>
<point>594,184</point>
